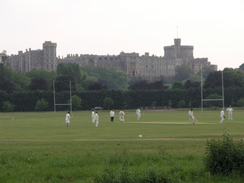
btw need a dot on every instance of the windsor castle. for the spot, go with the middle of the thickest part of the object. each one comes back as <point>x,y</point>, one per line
<point>145,66</point>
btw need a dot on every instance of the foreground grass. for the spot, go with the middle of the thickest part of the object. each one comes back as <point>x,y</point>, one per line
<point>37,147</point>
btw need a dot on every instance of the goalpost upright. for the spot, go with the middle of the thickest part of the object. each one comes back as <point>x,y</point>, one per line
<point>202,100</point>
<point>54,99</point>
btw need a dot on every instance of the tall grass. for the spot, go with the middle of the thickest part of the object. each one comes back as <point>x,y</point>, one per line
<point>37,147</point>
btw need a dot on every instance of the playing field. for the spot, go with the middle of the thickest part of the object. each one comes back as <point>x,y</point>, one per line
<point>153,125</point>
<point>38,146</point>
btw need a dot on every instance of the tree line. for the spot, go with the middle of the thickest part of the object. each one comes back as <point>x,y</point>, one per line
<point>129,99</point>
<point>96,86</point>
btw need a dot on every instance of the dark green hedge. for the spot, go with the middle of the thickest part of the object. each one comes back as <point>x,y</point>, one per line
<point>26,101</point>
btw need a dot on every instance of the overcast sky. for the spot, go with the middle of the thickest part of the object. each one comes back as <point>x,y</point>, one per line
<point>214,27</point>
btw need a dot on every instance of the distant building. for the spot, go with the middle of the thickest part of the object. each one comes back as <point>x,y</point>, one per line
<point>145,66</point>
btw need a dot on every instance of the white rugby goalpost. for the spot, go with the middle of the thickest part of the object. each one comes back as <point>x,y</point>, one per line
<point>202,99</point>
<point>54,99</point>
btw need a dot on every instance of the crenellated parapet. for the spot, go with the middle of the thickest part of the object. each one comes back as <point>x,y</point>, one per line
<point>145,66</point>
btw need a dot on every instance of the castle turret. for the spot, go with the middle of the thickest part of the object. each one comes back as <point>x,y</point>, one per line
<point>177,51</point>
<point>49,56</point>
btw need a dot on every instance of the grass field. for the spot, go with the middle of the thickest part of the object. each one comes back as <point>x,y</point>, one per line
<point>37,146</point>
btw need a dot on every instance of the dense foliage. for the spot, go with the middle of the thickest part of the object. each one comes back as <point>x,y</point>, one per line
<point>113,79</point>
<point>145,85</point>
<point>26,101</point>
<point>224,156</point>
<point>94,84</point>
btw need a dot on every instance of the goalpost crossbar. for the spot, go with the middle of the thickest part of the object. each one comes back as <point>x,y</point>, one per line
<point>211,99</point>
<point>54,98</point>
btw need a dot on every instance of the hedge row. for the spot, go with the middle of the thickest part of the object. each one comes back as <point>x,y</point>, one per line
<point>26,101</point>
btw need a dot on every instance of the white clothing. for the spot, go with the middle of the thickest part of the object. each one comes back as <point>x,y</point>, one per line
<point>96,119</point>
<point>191,117</point>
<point>112,116</point>
<point>111,113</point>
<point>67,118</point>
<point>222,116</point>
<point>93,116</point>
<point>122,116</point>
<point>138,113</point>
<point>229,110</point>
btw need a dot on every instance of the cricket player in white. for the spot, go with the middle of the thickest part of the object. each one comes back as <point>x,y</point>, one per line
<point>93,116</point>
<point>222,116</point>
<point>138,113</point>
<point>191,116</point>
<point>122,116</point>
<point>67,119</point>
<point>229,110</point>
<point>112,115</point>
<point>96,119</point>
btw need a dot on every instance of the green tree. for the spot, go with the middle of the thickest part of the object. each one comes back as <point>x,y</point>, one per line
<point>7,86</point>
<point>49,76</point>
<point>97,86</point>
<point>41,105</point>
<point>214,79</point>
<point>62,83</point>
<point>18,79</point>
<point>182,72</point>
<point>177,85</point>
<point>7,106</point>
<point>116,80</point>
<point>76,102</point>
<point>145,85</point>
<point>107,102</point>
<point>236,75</point>
<point>70,69</point>
<point>181,104</point>
<point>205,71</point>
<point>217,103</point>
<point>188,84</point>
<point>38,84</point>
<point>195,78</point>
<point>3,62</point>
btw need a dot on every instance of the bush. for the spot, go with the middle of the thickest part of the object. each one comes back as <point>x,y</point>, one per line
<point>181,104</point>
<point>224,156</point>
<point>41,105</point>
<point>76,102</point>
<point>7,106</point>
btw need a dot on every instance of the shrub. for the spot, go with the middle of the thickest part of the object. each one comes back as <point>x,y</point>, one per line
<point>181,104</point>
<point>7,106</point>
<point>41,105</point>
<point>224,156</point>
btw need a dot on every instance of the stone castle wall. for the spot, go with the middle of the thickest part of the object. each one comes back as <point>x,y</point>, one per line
<point>144,66</point>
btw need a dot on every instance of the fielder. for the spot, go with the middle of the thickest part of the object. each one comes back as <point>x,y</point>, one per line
<point>138,113</point>
<point>67,119</point>
<point>96,119</point>
<point>93,116</point>
<point>122,116</point>
<point>222,116</point>
<point>229,110</point>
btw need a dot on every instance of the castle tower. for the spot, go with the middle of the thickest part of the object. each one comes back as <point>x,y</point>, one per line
<point>49,56</point>
<point>177,51</point>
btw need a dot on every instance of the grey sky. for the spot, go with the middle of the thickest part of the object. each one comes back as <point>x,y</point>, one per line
<point>214,27</point>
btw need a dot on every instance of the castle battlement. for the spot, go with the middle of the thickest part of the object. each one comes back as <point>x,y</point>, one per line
<point>145,66</point>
